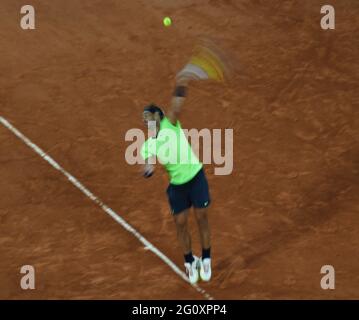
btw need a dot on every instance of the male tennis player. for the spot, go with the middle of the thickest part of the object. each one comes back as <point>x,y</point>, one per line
<point>188,184</point>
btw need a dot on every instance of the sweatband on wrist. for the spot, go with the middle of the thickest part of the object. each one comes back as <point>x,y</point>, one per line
<point>180,91</point>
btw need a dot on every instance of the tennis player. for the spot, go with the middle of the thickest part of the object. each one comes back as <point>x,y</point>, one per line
<point>188,186</point>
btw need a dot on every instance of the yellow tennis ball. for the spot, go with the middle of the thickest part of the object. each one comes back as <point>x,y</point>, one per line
<point>167,21</point>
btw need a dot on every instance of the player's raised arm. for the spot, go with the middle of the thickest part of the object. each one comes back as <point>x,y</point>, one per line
<point>178,98</point>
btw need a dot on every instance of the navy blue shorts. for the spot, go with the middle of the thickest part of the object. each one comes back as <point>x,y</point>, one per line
<point>192,193</point>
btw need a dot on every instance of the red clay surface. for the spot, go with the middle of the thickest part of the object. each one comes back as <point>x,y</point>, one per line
<point>78,82</point>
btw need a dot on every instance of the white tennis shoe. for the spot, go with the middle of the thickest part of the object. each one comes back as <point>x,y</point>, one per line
<point>205,269</point>
<point>192,270</point>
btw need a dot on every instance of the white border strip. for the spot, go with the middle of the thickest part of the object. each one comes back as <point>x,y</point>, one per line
<point>148,245</point>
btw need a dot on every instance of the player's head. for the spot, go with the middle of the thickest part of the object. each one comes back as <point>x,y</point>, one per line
<point>152,113</point>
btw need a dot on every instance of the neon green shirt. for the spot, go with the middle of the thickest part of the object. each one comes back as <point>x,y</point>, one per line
<point>172,149</point>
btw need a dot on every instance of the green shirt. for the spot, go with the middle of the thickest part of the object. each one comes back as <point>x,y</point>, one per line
<point>172,149</point>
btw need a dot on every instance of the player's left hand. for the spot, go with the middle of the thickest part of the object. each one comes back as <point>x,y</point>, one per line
<point>148,171</point>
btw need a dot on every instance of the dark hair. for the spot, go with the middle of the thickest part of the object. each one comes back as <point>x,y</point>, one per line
<point>153,109</point>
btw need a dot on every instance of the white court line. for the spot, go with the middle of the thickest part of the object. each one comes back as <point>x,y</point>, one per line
<point>148,245</point>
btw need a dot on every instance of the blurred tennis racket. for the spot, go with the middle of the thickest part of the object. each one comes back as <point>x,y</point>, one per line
<point>208,62</point>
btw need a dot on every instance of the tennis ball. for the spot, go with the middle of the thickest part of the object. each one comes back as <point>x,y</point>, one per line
<point>167,21</point>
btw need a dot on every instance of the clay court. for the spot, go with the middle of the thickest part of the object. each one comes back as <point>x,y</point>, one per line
<point>79,81</point>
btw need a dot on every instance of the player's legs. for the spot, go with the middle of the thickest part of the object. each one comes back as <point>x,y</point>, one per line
<point>201,215</point>
<point>205,269</point>
<point>180,203</point>
<point>201,200</point>
<point>183,234</point>
<point>184,238</point>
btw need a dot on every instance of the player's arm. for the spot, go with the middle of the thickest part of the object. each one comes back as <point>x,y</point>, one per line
<point>149,158</point>
<point>178,99</point>
<point>148,168</point>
